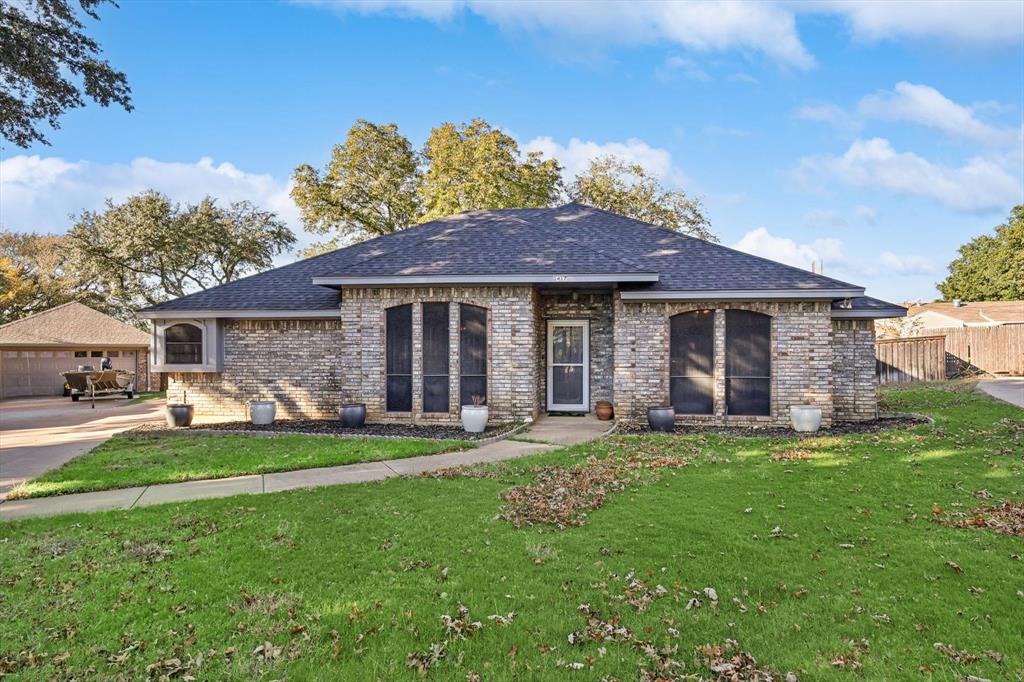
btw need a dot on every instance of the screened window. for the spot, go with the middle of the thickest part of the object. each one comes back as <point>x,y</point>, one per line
<point>692,362</point>
<point>81,354</point>
<point>472,355</point>
<point>399,358</point>
<point>183,345</point>
<point>747,362</point>
<point>435,357</point>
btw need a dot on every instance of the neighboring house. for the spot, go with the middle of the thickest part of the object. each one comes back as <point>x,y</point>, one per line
<point>531,311</point>
<point>35,349</point>
<point>965,314</point>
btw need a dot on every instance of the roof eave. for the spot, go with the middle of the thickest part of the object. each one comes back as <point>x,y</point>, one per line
<point>870,314</point>
<point>744,295</point>
<point>254,314</point>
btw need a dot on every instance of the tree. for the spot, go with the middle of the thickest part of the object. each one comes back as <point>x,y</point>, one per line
<point>367,189</point>
<point>614,185</point>
<point>474,166</point>
<point>148,250</point>
<point>34,277</point>
<point>990,268</point>
<point>42,46</point>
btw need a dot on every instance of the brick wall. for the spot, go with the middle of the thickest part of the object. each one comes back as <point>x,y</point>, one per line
<point>598,309</point>
<point>511,341</point>
<point>853,370</point>
<point>295,362</point>
<point>801,351</point>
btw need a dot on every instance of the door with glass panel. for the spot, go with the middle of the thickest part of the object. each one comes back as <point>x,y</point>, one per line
<point>568,366</point>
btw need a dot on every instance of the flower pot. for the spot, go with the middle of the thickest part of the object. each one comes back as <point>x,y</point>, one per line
<point>262,411</point>
<point>603,410</point>
<point>661,418</point>
<point>474,418</point>
<point>805,418</point>
<point>180,415</point>
<point>352,415</point>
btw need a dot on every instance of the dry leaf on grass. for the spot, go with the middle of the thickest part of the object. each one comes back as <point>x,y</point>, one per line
<point>1006,518</point>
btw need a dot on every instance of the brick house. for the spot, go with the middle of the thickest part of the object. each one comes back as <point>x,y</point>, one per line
<point>529,311</point>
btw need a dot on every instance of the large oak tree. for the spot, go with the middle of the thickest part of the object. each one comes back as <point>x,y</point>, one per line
<point>990,267</point>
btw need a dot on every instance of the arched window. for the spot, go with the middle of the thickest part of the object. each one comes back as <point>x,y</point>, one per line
<point>183,344</point>
<point>472,355</point>
<point>748,365</point>
<point>398,349</point>
<point>692,362</point>
<point>435,357</point>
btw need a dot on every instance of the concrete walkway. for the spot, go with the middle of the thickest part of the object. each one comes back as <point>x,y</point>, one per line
<point>554,431</point>
<point>1008,389</point>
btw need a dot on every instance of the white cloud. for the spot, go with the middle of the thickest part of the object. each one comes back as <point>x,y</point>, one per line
<point>978,185</point>
<point>868,215</point>
<point>906,265</point>
<point>924,105</point>
<point>976,23</point>
<point>702,26</point>
<point>829,113</point>
<point>576,156</point>
<point>39,193</point>
<point>761,242</point>
<point>741,77</point>
<point>823,219</point>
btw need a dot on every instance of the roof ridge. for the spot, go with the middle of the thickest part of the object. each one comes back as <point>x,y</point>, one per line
<point>576,241</point>
<point>721,246</point>
<point>44,312</point>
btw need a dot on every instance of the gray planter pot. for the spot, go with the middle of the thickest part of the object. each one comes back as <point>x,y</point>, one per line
<point>805,418</point>
<point>474,418</point>
<point>180,415</point>
<point>352,415</point>
<point>661,418</point>
<point>262,411</point>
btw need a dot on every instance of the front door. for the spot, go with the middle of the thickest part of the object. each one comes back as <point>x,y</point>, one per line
<point>568,366</point>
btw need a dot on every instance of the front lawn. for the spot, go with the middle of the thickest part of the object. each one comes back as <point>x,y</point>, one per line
<point>145,459</point>
<point>821,556</point>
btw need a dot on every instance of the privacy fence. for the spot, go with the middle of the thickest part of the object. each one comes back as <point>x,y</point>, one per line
<point>952,352</point>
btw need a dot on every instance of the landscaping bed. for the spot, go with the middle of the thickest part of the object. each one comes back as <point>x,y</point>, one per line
<point>898,421</point>
<point>333,427</point>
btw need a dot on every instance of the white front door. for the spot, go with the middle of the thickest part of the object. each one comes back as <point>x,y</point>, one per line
<point>568,365</point>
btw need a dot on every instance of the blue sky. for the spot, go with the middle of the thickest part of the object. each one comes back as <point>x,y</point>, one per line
<point>874,137</point>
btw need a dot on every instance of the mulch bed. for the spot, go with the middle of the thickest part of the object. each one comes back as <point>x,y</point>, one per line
<point>333,427</point>
<point>901,421</point>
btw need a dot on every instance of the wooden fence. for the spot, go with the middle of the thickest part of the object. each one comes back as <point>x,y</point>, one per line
<point>952,352</point>
<point>918,358</point>
<point>997,350</point>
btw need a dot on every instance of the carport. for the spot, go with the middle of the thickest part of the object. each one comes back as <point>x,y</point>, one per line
<point>35,349</point>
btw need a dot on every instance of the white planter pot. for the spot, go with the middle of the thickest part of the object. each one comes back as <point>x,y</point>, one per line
<point>474,418</point>
<point>805,418</point>
<point>262,411</point>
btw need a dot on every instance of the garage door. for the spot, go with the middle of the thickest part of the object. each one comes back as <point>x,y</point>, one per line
<point>37,372</point>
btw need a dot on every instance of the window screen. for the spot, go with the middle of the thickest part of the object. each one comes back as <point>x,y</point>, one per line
<point>435,357</point>
<point>747,362</point>
<point>183,345</point>
<point>472,354</point>
<point>692,362</point>
<point>399,358</point>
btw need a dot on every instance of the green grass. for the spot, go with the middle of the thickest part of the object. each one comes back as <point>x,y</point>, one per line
<point>349,580</point>
<point>144,397</point>
<point>142,459</point>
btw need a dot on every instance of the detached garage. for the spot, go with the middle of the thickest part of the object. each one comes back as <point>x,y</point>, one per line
<point>34,350</point>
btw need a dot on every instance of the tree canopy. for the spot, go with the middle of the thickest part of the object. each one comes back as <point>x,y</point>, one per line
<point>376,183</point>
<point>43,46</point>
<point>147,250</point>
<point>990,267</point>
<point>628,189</point>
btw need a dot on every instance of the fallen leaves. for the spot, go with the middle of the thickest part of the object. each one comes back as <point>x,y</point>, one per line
<point>791,455</point>
<point>1006,518</point>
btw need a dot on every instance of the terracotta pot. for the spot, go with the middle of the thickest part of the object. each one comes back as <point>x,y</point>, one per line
<point>603,410</point>
<point>661,418</point>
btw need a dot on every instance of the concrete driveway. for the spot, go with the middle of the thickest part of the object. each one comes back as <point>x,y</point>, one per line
<point>1010,389</point>
<point>39,434</point>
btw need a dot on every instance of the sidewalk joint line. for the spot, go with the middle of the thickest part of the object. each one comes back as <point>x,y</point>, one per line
<point>144,489</point>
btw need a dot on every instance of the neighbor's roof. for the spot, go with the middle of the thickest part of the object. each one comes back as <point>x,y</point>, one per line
<point>71,324</point>
<point>581,243</point>
<point>980,312</point>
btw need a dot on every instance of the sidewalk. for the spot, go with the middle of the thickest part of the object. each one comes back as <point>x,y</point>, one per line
<point>554,431</point>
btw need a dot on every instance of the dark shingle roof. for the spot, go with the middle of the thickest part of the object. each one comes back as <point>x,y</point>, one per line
<point>570,239</point>
<point>867,304</point>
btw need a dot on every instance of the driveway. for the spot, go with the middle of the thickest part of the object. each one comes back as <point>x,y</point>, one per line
<point>39,434</point>
<point>1009,389</point>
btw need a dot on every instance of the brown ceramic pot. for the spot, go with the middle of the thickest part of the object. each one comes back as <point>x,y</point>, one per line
<point>603,409</point>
